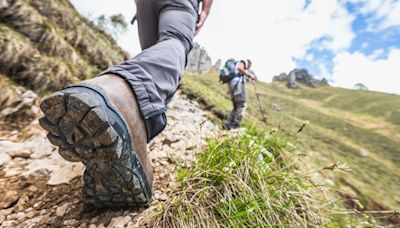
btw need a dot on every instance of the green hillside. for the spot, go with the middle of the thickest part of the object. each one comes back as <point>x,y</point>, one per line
<point>357,128</point>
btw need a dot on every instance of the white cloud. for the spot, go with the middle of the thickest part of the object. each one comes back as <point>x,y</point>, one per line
<point>273,33</point>
<point>385,12</point>
<point>376,54</point>
<point>377,75</point>
<point>310,57</point>
<point>324,72</point>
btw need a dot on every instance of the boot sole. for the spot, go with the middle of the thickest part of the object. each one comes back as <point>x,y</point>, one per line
<point>85,126</point>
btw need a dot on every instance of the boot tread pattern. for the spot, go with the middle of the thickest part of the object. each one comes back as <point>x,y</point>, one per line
<point>79,123</point>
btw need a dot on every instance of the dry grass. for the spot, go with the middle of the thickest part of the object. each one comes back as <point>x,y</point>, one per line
<point>45,36</point>
<point>45,45</point>
<point>241,181</point>
<point>92,43</point>
<point>26,66</point>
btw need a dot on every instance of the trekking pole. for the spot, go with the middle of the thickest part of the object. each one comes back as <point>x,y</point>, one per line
<point>261,108</point>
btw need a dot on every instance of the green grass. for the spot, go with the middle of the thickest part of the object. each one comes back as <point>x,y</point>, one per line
<point>342,124</point>
<point>246,180</point>
<point>375,104</point>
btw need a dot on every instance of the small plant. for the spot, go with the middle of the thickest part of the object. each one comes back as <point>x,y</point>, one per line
<point>240,181</point>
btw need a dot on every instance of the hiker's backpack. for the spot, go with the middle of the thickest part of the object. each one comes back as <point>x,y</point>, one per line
<point>227,73</point>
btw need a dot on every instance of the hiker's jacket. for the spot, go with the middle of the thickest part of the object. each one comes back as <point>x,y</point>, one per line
<point>236,85</point>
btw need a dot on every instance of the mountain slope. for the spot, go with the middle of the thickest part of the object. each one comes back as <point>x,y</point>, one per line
<point>45,45</point>
<point>358,128</point>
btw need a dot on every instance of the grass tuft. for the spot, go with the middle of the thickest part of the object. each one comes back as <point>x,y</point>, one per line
<point>241,181</point>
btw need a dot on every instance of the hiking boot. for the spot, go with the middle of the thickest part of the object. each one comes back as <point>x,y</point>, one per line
<point>229,126</point>
<point>98,123</point>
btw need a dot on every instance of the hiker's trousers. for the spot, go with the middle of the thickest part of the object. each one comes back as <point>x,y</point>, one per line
<point>237,92</point>
<point>166,31</point>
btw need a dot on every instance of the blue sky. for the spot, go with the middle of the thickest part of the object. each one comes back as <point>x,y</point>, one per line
<point>345,41</point>
<point>370,39</point>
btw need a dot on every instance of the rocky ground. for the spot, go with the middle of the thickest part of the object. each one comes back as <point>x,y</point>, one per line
<point>40,189</point>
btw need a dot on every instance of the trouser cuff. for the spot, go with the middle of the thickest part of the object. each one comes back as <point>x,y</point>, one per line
<point>155,125</point>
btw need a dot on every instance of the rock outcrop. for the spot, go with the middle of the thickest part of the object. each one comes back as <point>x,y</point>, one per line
<point>300,76</point>
<point>17,105</point>
<point>218,64</point>
<point>198,60</point>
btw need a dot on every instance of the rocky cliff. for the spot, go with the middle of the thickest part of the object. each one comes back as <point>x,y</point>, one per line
<point>218,64</point>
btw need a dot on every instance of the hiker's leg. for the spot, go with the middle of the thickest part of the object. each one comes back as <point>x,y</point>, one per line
<point>240,104</point>
<point>232,113</point>
<point>240,113</point>
<point>147,23</point>
<point>228,123</point>
<point>230,119</point>
<point>242,100</point>
<point>231,116</point>
<point>155,73</point>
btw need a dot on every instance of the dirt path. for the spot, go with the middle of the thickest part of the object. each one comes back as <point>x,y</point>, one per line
<point>40,189</point>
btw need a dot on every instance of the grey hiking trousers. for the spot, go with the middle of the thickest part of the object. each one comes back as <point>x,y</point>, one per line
<point>166,31</point>
<point>237,92</point>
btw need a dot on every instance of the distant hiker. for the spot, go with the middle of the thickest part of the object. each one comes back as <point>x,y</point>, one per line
<point>106,122</point>
<point>235,73</point>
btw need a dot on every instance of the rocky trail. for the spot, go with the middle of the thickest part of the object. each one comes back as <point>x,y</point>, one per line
<point>40,189</point>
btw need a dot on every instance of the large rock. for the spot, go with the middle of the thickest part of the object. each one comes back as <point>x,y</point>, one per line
<point>8,199</point>
<point>4,158</point>
<point>300,76</point>
<point>291,81</point>
<point>20,107</point>
<point>118,222</point>
<point>198,60</point>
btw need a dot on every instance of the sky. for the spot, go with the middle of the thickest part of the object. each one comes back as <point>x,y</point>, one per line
<point>344,41</point>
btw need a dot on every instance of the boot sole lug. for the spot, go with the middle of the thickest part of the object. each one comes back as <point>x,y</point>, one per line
<point>79,122</point>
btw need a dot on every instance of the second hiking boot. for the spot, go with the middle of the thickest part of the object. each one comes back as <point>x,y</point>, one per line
<point>98,123</point>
